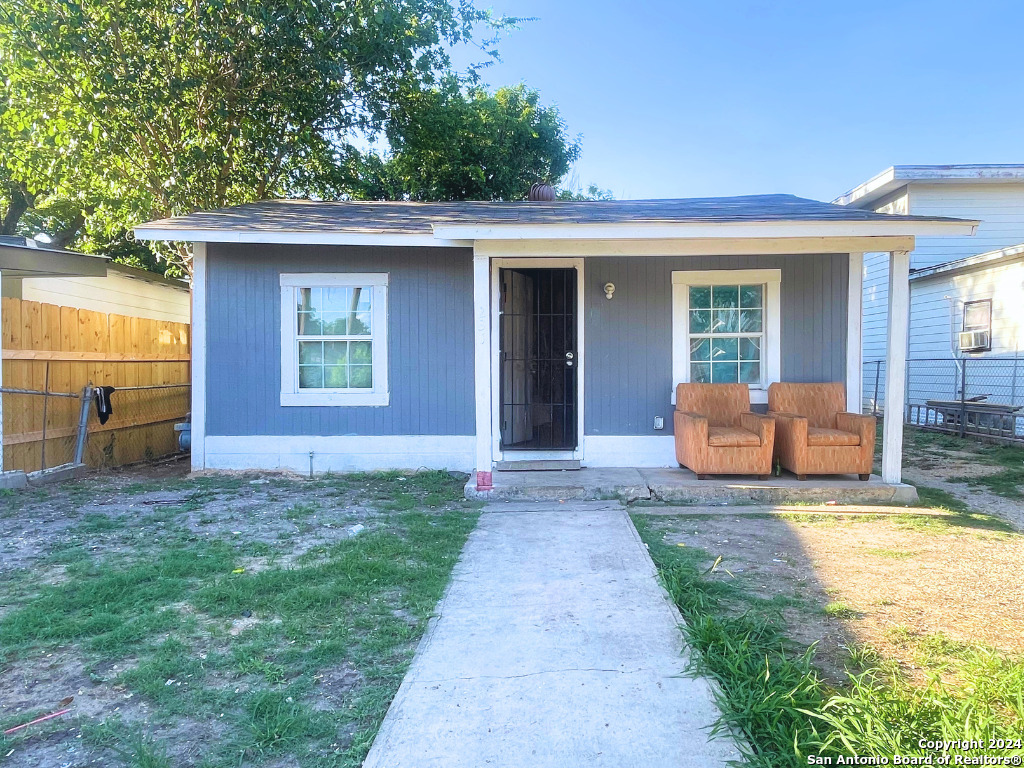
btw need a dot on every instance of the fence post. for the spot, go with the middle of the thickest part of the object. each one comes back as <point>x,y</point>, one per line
<point>46,398</point>
<point>874,400</point>
<point>83,422</point>
<point>963,397</point>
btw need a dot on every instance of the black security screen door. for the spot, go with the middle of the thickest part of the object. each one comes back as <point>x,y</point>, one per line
<point>539,359</point>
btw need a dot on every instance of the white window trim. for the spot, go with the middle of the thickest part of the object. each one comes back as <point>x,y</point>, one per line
<point>771,353</point>
<point>290,393</point>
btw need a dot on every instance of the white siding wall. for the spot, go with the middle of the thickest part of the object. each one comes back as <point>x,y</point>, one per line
<point>999,207</point>
<point>116,293</point>
<point>936,320</point>
<point>875,320</point>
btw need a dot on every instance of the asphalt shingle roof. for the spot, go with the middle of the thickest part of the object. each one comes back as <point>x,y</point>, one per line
<point>418,218</point>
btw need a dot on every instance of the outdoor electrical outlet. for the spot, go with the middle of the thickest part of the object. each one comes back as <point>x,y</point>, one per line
<point>659,422</point>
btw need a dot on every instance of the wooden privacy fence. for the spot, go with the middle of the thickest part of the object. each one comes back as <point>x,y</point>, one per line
<point>52,349</point>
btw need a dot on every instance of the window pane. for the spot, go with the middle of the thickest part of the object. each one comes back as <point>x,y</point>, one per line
<point>750,321</point>
<point>308,298</point>
<point>700,297</point>
<point>336,376</point>
<point>311,352</point>
<point>335,352</point>
<point>750,348</point>
<point>725,296</point>
<point>359,324</point>
<point>334,324</point>
<point>360,352</point>
<point>750,373</point>
<point>700,321</point>
<point>700,373</point>
<point>724,349</point>
<point>336,300</point>
<point>724,373</point>
<point>309,324</point>
<point>360,376</point>
<point>750,296</point>
<point>361,299</point>
<point>311,377</point>
<point>700,349</point>
<point>725,321</point>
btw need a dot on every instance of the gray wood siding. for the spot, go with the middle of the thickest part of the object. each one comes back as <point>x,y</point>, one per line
<point>430,338</point>
<point>628,366</point>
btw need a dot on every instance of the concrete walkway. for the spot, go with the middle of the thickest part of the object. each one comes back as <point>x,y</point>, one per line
<point>554,646</point>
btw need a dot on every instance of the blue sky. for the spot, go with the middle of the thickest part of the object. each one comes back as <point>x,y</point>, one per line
<point>810,97</point>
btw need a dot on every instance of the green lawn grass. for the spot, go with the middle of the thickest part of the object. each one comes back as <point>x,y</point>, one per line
<point>770,692</point>
<point>236,635</point>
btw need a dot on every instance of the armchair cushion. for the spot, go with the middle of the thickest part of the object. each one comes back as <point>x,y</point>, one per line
<point>816,436</point>
<point>720,404</point>
<point>818,403</point>
<point>732,437</point>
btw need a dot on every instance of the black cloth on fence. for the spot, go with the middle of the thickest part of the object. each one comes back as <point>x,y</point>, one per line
<point>103,405</point>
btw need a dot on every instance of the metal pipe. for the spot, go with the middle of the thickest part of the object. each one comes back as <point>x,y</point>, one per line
<point>963,398</point>
<point>83,423</point>
<point>14,391</point>
<point>153,386</point>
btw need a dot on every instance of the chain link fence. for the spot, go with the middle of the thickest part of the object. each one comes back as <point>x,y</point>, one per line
<point>981,396</point>
<point>46,426</point>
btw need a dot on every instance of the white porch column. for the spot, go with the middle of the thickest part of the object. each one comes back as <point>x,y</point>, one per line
<point>198,363</point>
<point>854,361</point>
<point>896,366</point>
<point>482,367</point>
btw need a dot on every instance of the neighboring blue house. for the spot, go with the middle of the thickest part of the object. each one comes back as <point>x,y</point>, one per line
<point>351,335</point>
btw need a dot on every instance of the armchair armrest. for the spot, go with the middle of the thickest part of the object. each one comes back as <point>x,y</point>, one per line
<point>694,424</point>
<point>791,427</point>
<point>762,426</point>
<point>858,424</point>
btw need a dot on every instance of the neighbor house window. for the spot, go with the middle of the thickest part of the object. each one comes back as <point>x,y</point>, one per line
<point>334,339</point>
<point>978,315</point>
<point>726,328</point>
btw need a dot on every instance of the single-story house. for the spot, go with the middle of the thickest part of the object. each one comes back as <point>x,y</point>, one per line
<point>100,285</point>
<point>365,335</point>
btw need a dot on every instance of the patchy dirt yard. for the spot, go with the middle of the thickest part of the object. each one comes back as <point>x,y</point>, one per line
<point>224,620</point>
<point>889,584</point>
<point>987,478</point>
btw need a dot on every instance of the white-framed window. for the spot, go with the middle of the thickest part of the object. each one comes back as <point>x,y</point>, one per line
<point>726,328</point>
<point>334,339</point>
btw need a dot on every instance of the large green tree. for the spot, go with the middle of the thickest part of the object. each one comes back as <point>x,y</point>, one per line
<point>122,110</point>
<point>451,143</point>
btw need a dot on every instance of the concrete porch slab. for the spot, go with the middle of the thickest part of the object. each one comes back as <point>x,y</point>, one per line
<point>681,486</point>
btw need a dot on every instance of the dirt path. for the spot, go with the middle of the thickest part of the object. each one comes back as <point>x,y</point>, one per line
<point>977,499</point>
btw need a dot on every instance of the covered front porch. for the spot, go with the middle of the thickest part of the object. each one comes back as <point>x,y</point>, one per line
<point>629,347</point>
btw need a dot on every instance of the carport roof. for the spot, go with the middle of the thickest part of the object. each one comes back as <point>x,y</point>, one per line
<point>24,257</point>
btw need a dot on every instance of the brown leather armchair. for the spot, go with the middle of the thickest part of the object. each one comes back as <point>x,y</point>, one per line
<point>814,435</point>
<point>716,434</point>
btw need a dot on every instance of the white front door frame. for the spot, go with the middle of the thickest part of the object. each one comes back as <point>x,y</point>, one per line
<point>497,264</point>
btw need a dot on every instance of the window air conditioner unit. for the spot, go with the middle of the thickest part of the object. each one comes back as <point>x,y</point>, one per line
<point>975,341</point>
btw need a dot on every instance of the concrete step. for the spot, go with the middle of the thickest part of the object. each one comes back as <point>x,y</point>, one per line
<point>549,465</point>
